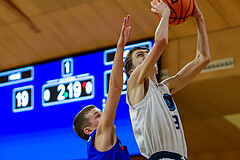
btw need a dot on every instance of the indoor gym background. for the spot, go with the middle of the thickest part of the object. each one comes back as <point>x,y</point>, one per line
<point>54,30</point>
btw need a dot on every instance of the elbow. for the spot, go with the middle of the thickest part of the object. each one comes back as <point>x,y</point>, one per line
<point>116,85</point>
<point>115,89</point>
<point>207,59</point>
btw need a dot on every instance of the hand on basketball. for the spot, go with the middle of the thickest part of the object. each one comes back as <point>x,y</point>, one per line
<point>125,32</point>
<point>160,8</point>
<point>196,13</point>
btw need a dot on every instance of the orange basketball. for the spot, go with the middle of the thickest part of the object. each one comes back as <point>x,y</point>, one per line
<point>181,10</point>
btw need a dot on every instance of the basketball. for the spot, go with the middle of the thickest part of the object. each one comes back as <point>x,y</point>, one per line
<point>181,10</point>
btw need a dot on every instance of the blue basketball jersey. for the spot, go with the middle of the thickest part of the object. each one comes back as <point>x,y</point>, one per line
<point>117,152</point>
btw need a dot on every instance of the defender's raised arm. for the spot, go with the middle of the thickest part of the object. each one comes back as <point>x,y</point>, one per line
<point>116,78</point>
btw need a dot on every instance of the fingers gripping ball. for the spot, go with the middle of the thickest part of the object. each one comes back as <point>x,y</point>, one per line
<point>181,10</point>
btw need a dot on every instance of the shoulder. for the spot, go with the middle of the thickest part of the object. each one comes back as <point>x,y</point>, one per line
<point>164,86</point>
<point>134,87</point>
<point>137,78</point>
<point>136,92</point>
<point>168,83</point>
<point>105,140</point>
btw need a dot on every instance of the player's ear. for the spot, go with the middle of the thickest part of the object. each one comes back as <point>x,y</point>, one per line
<point>88,130</point>
<point>130,72</point>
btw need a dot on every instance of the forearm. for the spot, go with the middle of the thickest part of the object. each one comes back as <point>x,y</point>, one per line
<point>115,88</point>
<point>161,33</point>
<point>203,44</point>
<point>116,82</point>
<point>114,93</point>
<point>116,78</point>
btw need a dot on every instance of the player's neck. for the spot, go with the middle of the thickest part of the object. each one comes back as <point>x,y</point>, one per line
<point>153,78</point>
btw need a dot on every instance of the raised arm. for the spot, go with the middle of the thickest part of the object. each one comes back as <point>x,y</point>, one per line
<point>185,75</point>
<point>160,42</point>
<point>106,124</point>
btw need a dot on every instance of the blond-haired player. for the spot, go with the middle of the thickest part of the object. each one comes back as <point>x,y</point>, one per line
<point>97,127</point>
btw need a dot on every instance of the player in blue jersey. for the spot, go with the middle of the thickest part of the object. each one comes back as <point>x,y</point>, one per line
<point>97,127</point>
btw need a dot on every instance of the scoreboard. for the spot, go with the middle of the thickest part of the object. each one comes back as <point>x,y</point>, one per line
<point>39,103</point>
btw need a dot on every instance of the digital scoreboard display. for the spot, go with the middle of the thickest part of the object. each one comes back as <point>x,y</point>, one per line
<point>39,103</point>
<point>68,90</point>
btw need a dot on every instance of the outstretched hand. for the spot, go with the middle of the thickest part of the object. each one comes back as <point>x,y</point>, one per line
<point>160,8</point>
<point>125,32</point>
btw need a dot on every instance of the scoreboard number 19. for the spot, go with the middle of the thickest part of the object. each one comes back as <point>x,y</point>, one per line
<point>23,99</point>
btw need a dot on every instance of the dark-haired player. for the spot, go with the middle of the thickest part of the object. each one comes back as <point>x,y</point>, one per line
<point>155,119</point>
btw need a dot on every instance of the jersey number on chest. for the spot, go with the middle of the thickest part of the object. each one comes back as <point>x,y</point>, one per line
<point>171,106</point>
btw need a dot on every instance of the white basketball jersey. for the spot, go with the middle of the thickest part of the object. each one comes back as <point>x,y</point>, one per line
<point>156,122</point>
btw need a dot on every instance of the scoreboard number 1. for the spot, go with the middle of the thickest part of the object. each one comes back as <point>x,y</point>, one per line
<point>23,99</point>
<point>67,67</point>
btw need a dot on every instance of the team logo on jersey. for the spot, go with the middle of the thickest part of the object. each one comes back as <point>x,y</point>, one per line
<point>121,146</point>
<point>169,101</point>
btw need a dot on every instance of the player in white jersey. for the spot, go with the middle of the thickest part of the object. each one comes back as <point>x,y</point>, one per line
<point>155,119</point>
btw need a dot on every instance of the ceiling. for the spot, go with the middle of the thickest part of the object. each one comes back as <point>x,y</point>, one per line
<point>34,31</point>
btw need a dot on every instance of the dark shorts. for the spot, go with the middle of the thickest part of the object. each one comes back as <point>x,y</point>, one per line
<point>166,154</point>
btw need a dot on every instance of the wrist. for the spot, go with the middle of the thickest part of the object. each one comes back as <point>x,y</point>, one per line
<point>166,13</point>
<point>199,17</point>
<point>120,45</point>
